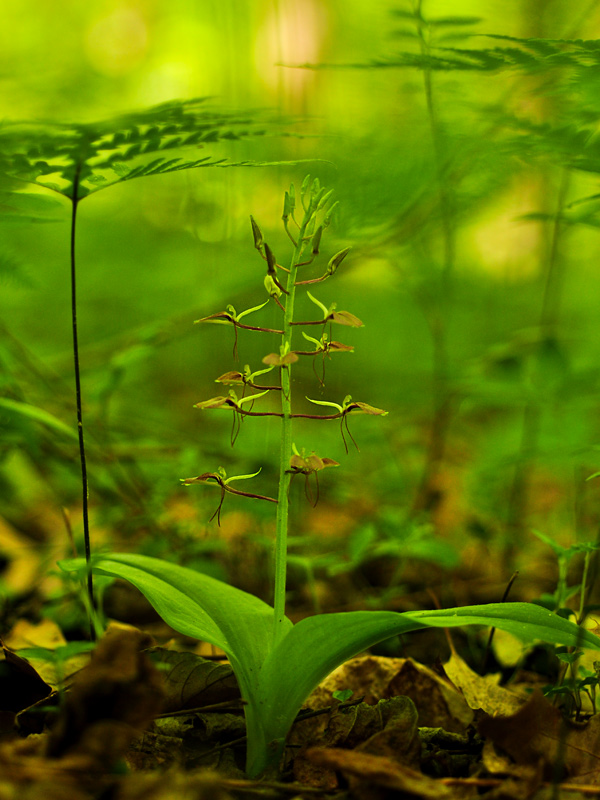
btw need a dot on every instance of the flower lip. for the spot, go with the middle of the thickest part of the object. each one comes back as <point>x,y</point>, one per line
<point>216,402</point>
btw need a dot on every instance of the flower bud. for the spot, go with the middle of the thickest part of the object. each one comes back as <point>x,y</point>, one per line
<point>325,199</point>
<point>316,240</point>
<point>336,260</point>
<point>257,233</point>
<point>271,260</point>
<point>304,187</point>
<point>289,203</point>
<point>329,214</point>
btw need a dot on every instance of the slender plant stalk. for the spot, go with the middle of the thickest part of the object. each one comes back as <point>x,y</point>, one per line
<point>548,322</point>
<point>426,495</point>
<point>84,478</point>
<point>285,452</point>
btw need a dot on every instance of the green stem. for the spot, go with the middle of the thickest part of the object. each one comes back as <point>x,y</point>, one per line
<point>285,452</point>
<point>583,592</point>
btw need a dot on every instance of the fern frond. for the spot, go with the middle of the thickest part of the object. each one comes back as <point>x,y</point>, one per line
<point>418,60</point>
<point>529,55</point>
<point>104,153</point>
<point>573,144</point>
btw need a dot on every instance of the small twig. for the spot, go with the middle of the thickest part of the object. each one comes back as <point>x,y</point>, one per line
<point>259,787</point>
<point>317,712</point>
<point>226,705</point>
<point>492,782</point>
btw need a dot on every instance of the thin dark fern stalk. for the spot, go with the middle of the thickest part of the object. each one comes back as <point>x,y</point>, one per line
<point>82,458</point>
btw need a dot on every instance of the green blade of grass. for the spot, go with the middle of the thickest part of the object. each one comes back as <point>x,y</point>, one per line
<point>39,415</point>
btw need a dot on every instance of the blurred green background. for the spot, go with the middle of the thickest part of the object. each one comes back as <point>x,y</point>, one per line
<point>473,267</point>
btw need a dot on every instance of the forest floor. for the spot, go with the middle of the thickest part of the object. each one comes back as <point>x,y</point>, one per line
<point>147,713</point>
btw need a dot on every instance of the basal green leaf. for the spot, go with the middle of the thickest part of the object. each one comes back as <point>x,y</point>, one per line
<point>275,682</point>
<point>317,645</point>
<point>192,603</point>
<point>527,621</point>
<point>199,606</point>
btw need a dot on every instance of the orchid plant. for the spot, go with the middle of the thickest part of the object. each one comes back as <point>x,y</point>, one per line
<point>278,664</point>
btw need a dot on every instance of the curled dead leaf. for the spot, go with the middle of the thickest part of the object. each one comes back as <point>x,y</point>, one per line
<point>112,701</point>
<point>481,691</point>
<point>439,704</point>
<point>191,681</point>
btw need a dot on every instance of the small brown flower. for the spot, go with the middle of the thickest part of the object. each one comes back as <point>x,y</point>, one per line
<point>275,360</point>
<point>217,402</point>
<point>307,466</point>
<point>230,377</point>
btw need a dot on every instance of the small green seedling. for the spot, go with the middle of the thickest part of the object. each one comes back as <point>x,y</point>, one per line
<point>278,664</point>
<point>563,592</point>
<point>341,695</point>
<point>574,678</point>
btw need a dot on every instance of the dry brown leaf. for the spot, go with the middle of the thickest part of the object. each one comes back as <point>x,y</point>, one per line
<point>23,557</point>
<point>21,685</point>
<point>537,732</point>
<point>386,729</point>
<point>112,700</point>
<point>370,771</point>
<point>481,691</point>
<point>47,635</point>
<point>376,677</point>
<point>29,634</point>
<point>27,775</point>
<point>191,681</point>
<point>173,785</point>
<point>500,764</point>
<point>399,738</point>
